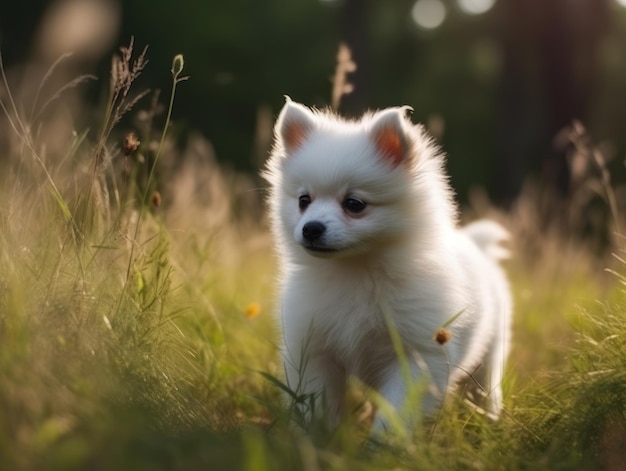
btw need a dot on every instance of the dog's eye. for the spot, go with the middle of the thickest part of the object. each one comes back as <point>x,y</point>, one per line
<point>304,201</point>
<point>353,205</point>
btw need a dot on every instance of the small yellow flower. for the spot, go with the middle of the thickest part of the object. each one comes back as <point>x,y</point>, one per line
<point>252,310</point>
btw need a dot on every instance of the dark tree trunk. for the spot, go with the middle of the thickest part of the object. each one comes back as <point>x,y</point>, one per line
<point>568,48</point>
<point>514,132</point>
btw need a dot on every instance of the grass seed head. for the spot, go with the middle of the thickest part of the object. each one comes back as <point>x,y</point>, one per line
<point>131,143</point>
<point>156,199</point>
<point>442,336</point>
<point>177,64</point>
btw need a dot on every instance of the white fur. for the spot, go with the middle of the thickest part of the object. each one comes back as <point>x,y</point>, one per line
<point>401,260</point>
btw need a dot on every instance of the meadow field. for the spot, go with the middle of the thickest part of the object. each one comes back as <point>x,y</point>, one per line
<point>137,310</point>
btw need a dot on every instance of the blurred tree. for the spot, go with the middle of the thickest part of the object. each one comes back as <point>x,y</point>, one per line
<point>240,55</point>
<point>500,84</point>
<point>19,22</point>
<point>550,65</point>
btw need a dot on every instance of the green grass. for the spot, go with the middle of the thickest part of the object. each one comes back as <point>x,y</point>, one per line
<point>141,337</point>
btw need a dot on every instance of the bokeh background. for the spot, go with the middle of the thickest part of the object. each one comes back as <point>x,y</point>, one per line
<point>496,81</point>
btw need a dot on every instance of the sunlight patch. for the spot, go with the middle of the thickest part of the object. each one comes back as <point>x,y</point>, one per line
<point>428,14</point>
<point>477,7</point>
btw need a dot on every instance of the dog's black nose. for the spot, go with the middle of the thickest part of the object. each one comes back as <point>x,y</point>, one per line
<point>313,230</point>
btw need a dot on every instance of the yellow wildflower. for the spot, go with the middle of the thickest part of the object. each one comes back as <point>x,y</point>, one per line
<point>252,310</point>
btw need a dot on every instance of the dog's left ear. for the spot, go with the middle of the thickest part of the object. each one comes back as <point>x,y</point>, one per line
<point>294,124</point>
<point>389,134</point>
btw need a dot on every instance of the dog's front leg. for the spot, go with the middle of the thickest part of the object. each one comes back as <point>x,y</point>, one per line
<point>414,389</point>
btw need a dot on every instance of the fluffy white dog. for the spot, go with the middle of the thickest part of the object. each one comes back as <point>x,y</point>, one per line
<point>366,230</point>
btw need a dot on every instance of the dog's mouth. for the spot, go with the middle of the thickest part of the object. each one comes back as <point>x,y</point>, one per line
<point>320,249</point>
<point>316,248</point>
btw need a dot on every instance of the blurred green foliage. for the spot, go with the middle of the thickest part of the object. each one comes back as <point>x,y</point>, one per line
<point>498,86</point>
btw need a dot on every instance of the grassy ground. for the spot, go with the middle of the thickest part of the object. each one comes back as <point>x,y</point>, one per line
<point>136,327</point>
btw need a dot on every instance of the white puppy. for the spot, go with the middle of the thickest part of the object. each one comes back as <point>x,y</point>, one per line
<point>366,230</point>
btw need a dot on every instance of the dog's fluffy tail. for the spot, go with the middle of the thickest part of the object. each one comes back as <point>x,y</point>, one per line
<point>489,236</point>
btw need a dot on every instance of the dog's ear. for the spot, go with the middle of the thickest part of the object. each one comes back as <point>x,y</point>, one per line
<point>294,124</point>
<point>389,134</point>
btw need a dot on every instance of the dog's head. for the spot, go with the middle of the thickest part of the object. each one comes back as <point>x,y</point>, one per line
<point>340,187</point>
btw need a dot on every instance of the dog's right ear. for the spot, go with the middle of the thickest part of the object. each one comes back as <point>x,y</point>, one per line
<point>389,134</point>
<point>294,124</point>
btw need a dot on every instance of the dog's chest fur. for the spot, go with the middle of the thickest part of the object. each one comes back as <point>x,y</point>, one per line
<point>342,313</point>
